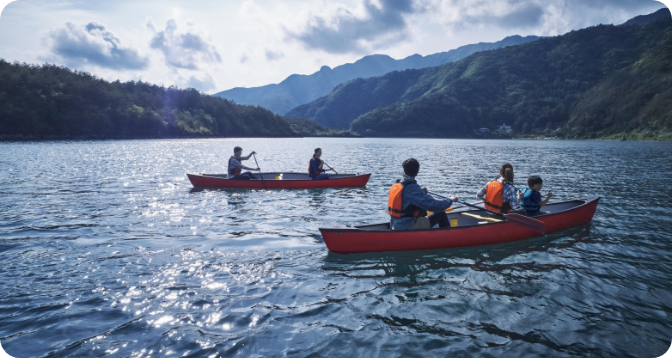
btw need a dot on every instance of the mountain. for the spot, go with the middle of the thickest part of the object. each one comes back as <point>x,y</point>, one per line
<point>299,89</point>
<point>49,101</point>
<point>597,82</point>
<point>663,13</point>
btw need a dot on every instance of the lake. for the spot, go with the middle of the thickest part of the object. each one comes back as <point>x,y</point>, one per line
<point>107,250</point>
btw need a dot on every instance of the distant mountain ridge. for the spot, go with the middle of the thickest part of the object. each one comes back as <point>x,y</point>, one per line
<point>296,89</point>
<point>643,19</point>
<point>601,81</point>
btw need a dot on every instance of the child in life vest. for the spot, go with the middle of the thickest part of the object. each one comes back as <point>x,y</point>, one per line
<point>531,201</point>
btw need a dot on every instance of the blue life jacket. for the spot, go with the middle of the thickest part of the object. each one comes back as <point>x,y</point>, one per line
<point>527,203</point>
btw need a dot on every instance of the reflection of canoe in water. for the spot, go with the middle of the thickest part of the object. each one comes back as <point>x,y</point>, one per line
<point>279,181</point>
<point>474,227</point>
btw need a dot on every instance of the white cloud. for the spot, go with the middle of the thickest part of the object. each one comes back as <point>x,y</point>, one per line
<point>547,17</point>
<point>345,30</point>
<point>274,55</point>
<point>186,48</point>
<point>92,44</point>
<point>203,82</point>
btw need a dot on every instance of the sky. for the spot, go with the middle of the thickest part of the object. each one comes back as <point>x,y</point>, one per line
<point>218,45</point>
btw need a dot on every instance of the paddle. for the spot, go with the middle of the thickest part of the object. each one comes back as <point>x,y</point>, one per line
<point>330,167</point>
<point>262,177</point>
<point>521,220</point>
<point>456,207</point>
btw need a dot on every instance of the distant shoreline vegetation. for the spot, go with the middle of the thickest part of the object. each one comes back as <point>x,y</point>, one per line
<point>54,102</point>
<point>602,82</point>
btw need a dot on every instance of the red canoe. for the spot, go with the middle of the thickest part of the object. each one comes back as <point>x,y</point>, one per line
<point>474,227</point>
<point>279,181</point>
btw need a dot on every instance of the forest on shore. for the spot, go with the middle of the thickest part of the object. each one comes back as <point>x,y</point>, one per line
<point>604,81</point>
<point>49,101</point>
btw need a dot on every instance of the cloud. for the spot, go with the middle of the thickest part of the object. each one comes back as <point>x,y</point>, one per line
<point>547,16</point>
<point>345,31</point>
<point>185,49</point>
<point>272,56</point>
<point>203,83</point>
<point>92,44</point>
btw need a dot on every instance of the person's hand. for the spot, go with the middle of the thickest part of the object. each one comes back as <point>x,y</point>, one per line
<point>520,195</point>
<point>253,153</point>
<point>454,198</point>
<point>425,190</point>
<point>549,195</point>
<point>258,169</point>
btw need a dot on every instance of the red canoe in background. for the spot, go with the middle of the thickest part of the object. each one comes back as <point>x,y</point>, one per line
<point>279,181</point>
<point>474,227</point>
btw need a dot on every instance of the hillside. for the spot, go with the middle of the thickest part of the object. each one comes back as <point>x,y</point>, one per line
<point>296,90</point>
<point>52,101</point>
<point>597,82</point>
<point>643,19</point>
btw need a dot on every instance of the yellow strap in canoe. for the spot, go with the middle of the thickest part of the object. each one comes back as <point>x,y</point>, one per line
<point>481,217</point>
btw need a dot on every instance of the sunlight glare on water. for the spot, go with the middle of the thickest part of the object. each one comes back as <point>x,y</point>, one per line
<point>107,250</point>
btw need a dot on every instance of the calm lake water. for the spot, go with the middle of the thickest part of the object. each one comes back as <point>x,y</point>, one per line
<point>106,250</point>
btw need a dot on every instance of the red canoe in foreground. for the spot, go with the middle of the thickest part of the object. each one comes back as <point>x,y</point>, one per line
<point>279,181</point>
<point>474,227</point>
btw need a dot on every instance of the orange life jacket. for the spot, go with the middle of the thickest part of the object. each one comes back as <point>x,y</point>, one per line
<point>395,204</point>
<point>494,198</point>
<point>234,171</point>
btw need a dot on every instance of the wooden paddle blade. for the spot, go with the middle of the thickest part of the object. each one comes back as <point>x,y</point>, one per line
<point>528,222</point>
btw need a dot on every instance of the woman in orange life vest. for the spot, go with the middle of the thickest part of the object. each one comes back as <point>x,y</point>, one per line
<point>408,203</point>
<point>500,195</point>
<point>234,167</point>
<point>315,170</point>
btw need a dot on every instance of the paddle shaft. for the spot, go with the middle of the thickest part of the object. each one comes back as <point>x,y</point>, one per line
<point>329,167</point>
<point>531,223</point>
<point>262,177</point>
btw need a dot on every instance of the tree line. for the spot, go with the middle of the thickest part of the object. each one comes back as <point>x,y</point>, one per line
<point>49,101</point>
<point>600,82</point>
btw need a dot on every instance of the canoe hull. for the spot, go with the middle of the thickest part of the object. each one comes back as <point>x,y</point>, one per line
<point>341,181</point>
<point>353,240</point>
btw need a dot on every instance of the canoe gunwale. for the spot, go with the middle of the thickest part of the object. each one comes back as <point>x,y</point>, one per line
<point>349,240</point>
<point>215,181</point>
<point>503,221</point>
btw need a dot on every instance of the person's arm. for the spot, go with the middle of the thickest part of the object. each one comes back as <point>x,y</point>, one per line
<point>416,196</point>
<point>512,196</point>
<point>481,194</point>
<point>545,201</point>
<point>236,163</point>
<point>315,166</point>
<point>248,157</point>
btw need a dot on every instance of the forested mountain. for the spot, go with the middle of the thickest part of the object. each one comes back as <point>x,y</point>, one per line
<point>299,89</point>
<point>601,81</point>
<point>53,101</point>
<point>643,19</point>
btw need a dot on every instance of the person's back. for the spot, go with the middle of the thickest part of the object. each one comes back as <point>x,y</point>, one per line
<point>408,203</point>
<point>500,195</point>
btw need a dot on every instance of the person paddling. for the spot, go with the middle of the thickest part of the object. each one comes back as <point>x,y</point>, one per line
<point>408,203</point>
<point>500,195</point>
<point>315,170</point>
<point>235,167</point>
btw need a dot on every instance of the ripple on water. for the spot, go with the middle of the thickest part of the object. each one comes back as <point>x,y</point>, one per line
<point>107,250</point>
